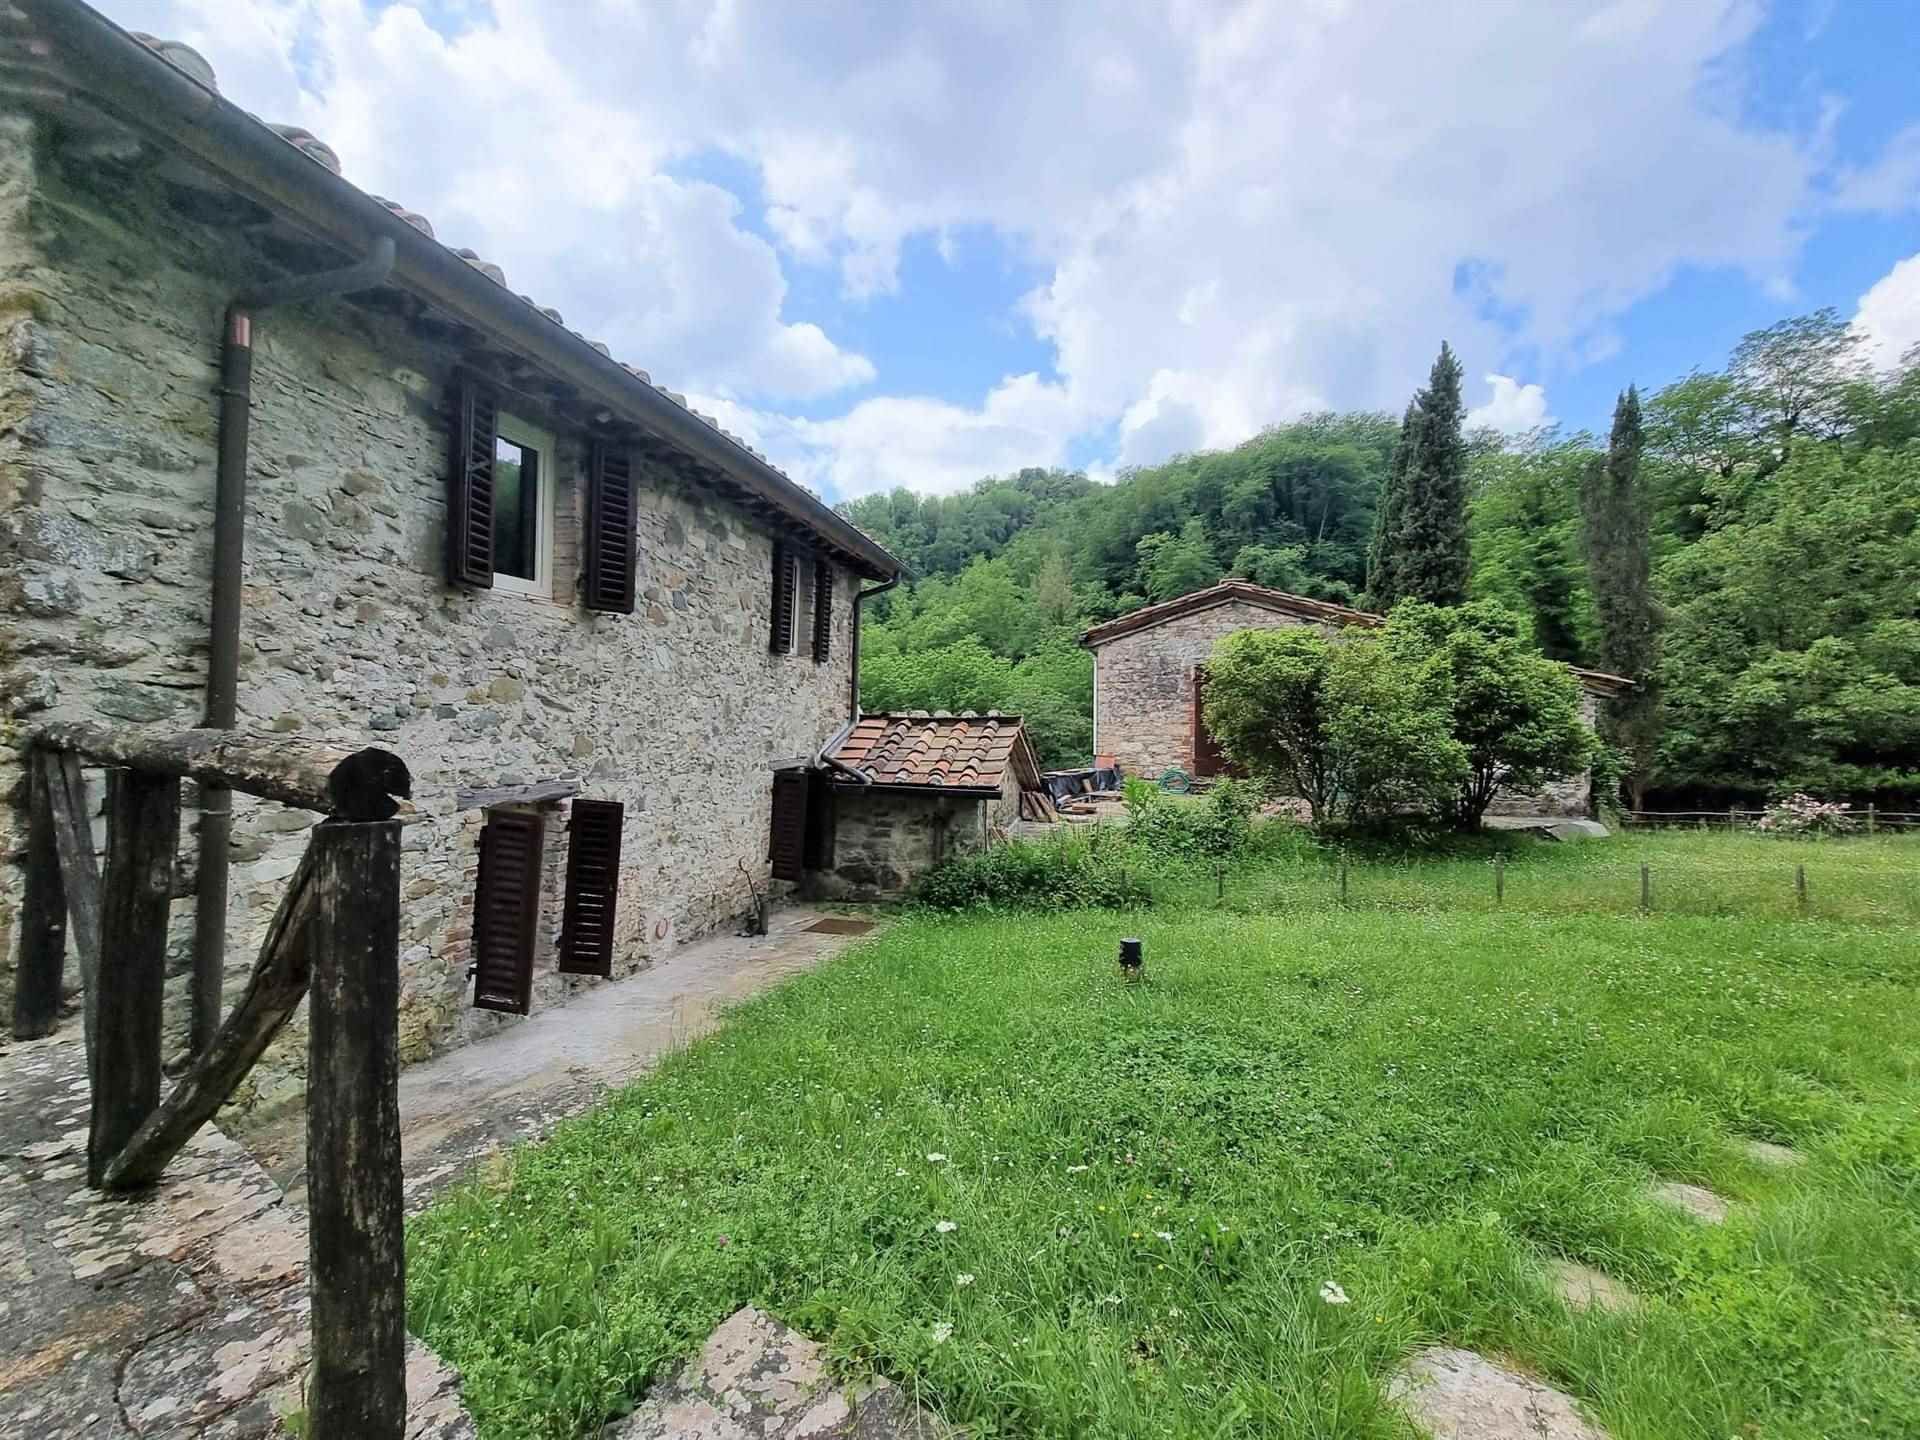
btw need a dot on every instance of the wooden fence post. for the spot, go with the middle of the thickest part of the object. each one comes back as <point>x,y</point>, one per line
<point>1800,887</point>
<point>1343,879</point>
<point>129,980</point>
<point>1646,888</point>
<point>357,1262</point>
<point>1872,817</point>
<point>1499,879</point>
<point>43,920</point>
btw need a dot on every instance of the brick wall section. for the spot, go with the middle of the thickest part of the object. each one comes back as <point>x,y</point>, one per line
<point>110,308</point>
<point>1143,685</point>
<point>1143,700</point>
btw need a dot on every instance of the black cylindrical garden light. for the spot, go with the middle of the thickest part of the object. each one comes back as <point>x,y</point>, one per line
<point>1131,959</point>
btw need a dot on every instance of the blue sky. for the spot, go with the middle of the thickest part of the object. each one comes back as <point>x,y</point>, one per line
<point>921,244</point>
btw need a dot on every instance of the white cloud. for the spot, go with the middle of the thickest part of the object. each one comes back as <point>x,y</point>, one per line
<point>1512,408</point>
<point>928,445</point>
<point>1889,314</point>
<point>1240,212</point>
<point>1890,184</point>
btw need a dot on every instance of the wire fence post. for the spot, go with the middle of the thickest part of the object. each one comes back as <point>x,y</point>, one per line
<point>1219,882</point>
<point>1733,818</point>
<point>1343,880</point>
<point>1800,887</point>
<point>1499,879</point>
<point>1646,888</point>
<point>1871,818</point>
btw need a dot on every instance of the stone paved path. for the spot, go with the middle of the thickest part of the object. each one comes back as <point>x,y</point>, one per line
<point>1458,1395</point>
<point>755,1379</point>
<point>181,1314</point>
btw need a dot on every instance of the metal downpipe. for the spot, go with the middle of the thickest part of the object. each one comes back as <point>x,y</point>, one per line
<point>223,650</point>
<point>824,757</point>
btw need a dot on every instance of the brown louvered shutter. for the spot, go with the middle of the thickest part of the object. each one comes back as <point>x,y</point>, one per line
<point>822,611</point>
<point>785,572</point>
<point>788,848</point>
<point>610,530</point>
<point>593,887</point>
<point>470,488</point>
<point>506,910</point>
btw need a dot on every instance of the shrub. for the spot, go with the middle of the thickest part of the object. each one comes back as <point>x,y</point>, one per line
<point>1069,873</point>
<point>1215,826</point>
<point>1350,725</point>
<point>1805,815</point>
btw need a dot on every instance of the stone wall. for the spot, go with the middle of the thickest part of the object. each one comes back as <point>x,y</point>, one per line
<point>1143,700</point>
<point>110,311</point>
<point>883,840</point>
<point>1143,685</point>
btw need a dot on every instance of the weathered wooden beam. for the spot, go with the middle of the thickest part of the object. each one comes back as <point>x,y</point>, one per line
<point>311,774</point>
<point>274,991</point>
<point>356,1254</point>
<point>125,998</point>
<point>79,871</point>
<point>43,921</point>
<point>481,799</point>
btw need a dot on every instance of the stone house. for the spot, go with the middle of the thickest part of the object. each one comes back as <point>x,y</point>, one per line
<point>595,625</point>
<point>906,791</point>
<point>1149,677</point>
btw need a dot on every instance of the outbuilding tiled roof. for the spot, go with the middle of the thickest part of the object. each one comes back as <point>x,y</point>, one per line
<point>940,751</point>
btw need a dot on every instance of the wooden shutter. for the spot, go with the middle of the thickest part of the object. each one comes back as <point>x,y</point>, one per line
<point>780,637</point>
<point>610,530</point>
<point>822,610</point>
<point>788,845</point>
<point>593,887</point>
<point>1208,758</point>
<point>470,488</point>
<point>506,911</point>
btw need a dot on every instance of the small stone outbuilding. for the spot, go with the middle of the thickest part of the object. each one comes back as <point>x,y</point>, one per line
<point>910,790</point>
<point>1149,680</point>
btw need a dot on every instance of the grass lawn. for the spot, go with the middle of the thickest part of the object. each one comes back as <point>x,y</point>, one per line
<point>1057,1204</point>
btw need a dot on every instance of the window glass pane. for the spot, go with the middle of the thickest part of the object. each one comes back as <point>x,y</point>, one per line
<point>516,493</point>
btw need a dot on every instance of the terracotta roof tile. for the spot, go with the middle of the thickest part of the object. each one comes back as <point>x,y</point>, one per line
<point>940,751</point>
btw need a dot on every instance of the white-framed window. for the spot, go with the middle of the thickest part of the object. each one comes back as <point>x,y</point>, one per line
<point>793,605</point>
<point>525,476</point>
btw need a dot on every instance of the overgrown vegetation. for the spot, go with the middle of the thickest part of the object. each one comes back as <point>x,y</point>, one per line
<point>1781,496</point>
<point>1069,871</point>
<point>1055,1204</point>
<point>1432,715</point>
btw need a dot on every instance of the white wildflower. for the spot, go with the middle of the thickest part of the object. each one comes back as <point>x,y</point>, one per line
<point>946,1227</point>
<point>1166,1235</point>
<point>936,1158</point>
<point>899,1172</point>
<point>943,1332</point>
<point>963,1281</point>
<point>1333,1294</point>
<point>1076,1169</point>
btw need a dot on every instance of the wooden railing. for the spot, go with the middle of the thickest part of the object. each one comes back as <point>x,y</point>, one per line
<point>334,936</point>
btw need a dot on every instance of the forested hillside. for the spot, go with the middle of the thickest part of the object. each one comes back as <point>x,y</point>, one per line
<point>1783,491</point>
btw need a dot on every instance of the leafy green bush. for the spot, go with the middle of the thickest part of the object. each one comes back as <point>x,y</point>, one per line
<point>1215,826</point>
<point>1069,873</point>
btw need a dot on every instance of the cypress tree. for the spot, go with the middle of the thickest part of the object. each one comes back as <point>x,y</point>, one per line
<point>1382,573</point>
<point>1619,546</point>
<point>1431,550</point>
